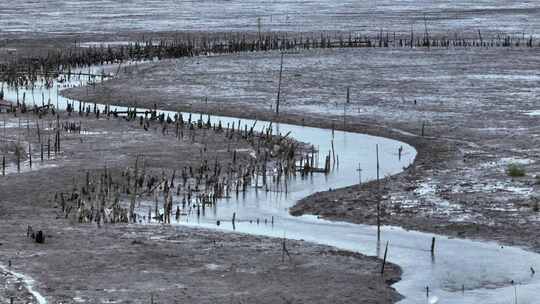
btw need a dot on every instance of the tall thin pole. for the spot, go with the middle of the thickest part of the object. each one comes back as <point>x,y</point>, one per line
<point>259,28</point>
<point>378,197</point>
<point>279,84</point>
<point>384,258</point>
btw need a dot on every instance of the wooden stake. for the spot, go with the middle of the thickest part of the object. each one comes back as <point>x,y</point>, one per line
<point>284,250</point>
<point>279,84</point>
<point>384,258</point>
<point>333,154</point>
<point>18,160</point>
<point>378,196</point>
<point>30,154</point>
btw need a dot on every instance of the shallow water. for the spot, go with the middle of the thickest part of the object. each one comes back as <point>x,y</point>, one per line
<point>461,271</point>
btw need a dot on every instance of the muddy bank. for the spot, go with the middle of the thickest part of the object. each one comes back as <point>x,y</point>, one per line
<point>127,262</point>
<point>473,114</point>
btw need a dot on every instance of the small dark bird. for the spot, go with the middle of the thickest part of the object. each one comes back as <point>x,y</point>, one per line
<point>532,271</point>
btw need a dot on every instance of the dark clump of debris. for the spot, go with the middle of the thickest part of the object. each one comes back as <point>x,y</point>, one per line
<point>39,237</point>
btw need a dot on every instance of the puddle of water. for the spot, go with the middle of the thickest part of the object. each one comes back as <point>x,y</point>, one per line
<point>11,168</point>
<point>461,271</point>
<point>37,163</point>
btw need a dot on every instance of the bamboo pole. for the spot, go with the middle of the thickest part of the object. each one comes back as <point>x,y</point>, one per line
<point>384,258</point>
<point>279,84</point>
<point>378,196</point>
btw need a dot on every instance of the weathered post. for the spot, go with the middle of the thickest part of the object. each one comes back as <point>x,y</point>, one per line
<point>279,84</point>
<point>30,154</point>
<point>333,154</point>
<point>384,258</point>
<point>284,250</point>
<point>378,196</point>
<point>18,159</point>
<point>38,131</point>
<point>49,147</point>
<point>58,139</point>
<point>134,194</point>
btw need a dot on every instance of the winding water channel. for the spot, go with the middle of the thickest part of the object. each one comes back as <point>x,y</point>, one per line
<point>461,271</point>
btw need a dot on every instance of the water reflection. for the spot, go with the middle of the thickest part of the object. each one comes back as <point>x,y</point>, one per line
<point>485,268</point>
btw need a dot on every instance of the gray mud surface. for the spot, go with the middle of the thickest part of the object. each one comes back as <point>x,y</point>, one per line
<point>474,104</point>
<point>81,263</point>
<point>58,18</point>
